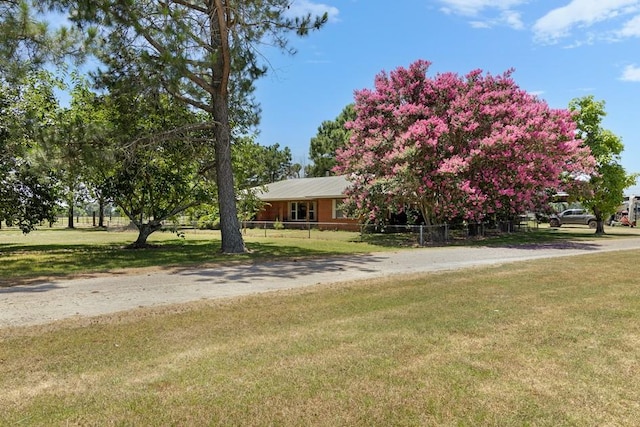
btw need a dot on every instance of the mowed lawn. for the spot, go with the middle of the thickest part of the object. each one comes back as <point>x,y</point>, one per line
<point>59,252</point>
<point>545,343</point>
<point>65,252</point>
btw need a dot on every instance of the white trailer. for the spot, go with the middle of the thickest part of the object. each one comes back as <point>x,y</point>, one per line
<point>633,208</point>
<point>630,209</point>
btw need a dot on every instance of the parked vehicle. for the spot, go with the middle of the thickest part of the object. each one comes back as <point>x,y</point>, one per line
<point>627,213</point>
<point>573,216</point>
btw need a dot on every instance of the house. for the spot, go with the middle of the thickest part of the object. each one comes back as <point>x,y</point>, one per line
<point>306,200</point>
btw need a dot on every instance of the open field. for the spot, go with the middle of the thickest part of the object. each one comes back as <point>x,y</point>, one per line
<point>553,342</point>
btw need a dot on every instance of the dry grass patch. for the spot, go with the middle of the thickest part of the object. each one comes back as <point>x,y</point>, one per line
<point>553,342</point>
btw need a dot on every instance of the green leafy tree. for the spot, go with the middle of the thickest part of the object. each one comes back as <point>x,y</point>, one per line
<point>28,189</point>
<point>255,164</point>
<point>27,41</point>
<point>24,40</point>
<point>90,120</point>
<point>66,144</point>
<point>82,152</point>
<point>605,191</point>
<point>27,44</point>
<point>331,136</point>
<point>277,163</point>
<point>205,54</point>
<point>157,170</point>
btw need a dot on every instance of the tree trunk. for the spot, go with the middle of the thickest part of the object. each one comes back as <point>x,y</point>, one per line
<point>144,231</point>
<point>70,217</point>
<point>232,242</point>
<point>101,212</point>
<point>599,221</point>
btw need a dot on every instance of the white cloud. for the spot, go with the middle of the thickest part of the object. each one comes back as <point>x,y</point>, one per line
<point>559,22</point>
<point>631,73</point>
<point>631,28</point>
<point>480,24</point>
<point>508,17</point>
<point>474,8</point>
<point>304,7</point>
<point>512,19</point>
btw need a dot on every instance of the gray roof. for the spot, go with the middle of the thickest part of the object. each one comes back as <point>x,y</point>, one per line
<point>328,187</point>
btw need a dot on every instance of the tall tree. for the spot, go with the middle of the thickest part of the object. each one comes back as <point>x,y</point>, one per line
<point>606,187</point>
<point>257,165</point>
<point>27,42</point>
<point>24,40</point>
<point>28,191</point>
<point>76,147</point>
<point>157,144</point>
<point>456,147</point>
<point>205,54</point>
<point>332,135</point>
<point>64,146</point>
<point>89,121</point>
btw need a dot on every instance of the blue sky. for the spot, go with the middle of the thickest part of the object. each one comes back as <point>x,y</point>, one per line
<point>559,50</point>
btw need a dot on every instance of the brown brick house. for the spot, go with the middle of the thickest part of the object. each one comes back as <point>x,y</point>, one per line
<point>303,200</point>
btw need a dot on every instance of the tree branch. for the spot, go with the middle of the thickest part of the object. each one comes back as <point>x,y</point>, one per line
<point>222,17</point>
<point>164,136</point>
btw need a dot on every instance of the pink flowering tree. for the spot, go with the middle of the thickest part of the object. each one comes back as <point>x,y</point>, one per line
<point>456,147</point>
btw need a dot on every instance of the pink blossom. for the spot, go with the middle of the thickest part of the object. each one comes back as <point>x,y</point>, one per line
<point>457,146</point>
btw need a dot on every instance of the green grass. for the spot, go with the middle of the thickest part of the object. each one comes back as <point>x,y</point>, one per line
<point>64,252</point>
<point>546,343</point>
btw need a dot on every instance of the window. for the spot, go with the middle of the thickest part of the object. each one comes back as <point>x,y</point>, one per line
<point>302,211</point>
<point>312,211</point>
<point>296,211</point>
<point>336,210</point>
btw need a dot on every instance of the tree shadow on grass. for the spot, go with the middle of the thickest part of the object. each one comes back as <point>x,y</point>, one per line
<point>560,244</point>
<point>542,239</point>
<point>286,268</point>
<point>532,239</point>
<point>391,240</point>
<point>37,264</point>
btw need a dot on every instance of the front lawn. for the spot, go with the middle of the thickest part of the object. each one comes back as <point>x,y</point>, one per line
<point>545,343</point>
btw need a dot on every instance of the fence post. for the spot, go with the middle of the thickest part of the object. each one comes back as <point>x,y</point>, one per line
<point>421,235</point>
<point>446,232</point>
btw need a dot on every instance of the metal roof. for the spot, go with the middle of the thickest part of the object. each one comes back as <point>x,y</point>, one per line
<point>326,187</point>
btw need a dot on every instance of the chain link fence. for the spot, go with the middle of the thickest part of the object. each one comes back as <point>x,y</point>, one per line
<point>421,235</point>
<point>397,235</point>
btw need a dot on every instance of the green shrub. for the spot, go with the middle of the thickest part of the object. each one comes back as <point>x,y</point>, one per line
<point>209,222</point>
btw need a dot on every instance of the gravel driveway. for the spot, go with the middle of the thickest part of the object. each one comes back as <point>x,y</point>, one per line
<point>108,293</point>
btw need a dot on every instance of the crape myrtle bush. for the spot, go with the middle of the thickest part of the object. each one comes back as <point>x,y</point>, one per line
<point>453,147</point>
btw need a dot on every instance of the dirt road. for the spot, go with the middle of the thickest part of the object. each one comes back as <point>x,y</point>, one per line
<point>103,294</point>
